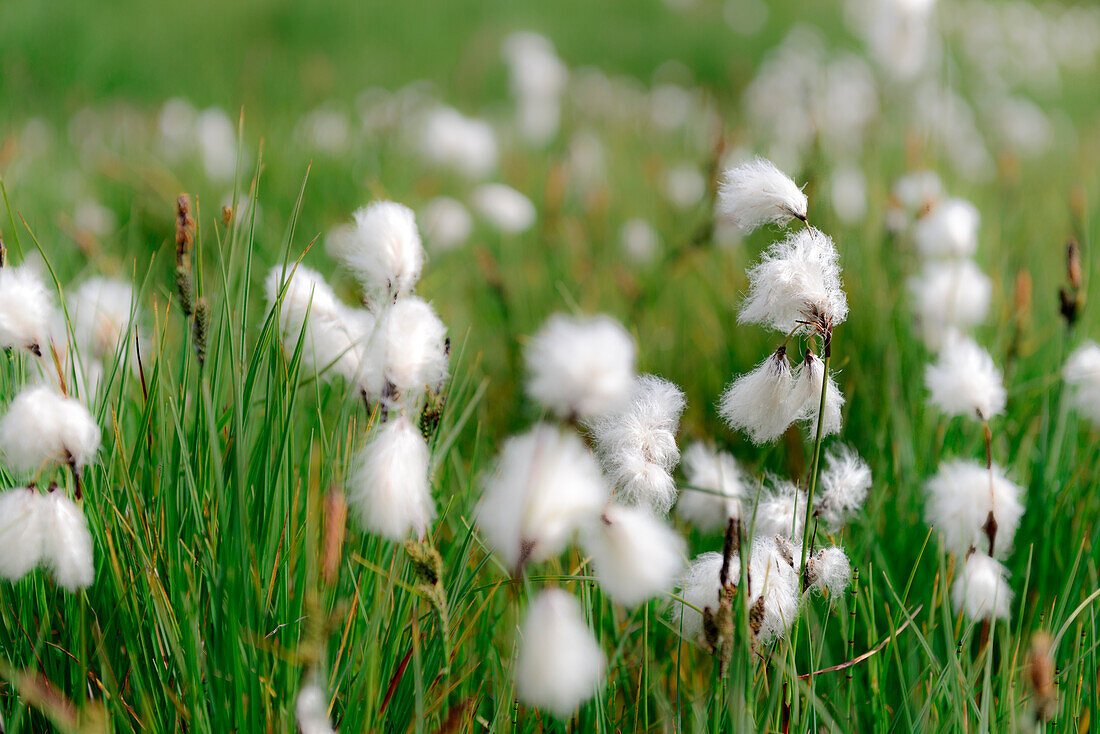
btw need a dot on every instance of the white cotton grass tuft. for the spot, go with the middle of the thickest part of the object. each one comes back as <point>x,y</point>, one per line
<point>580,367</point>
<point>960,498</point>
<point>100,311</point>
<point>949,295</point>
<point>981,591</point>
<point>22,532</point>
<point>808,382</point>
<point>964,381</point>
<point>1082,374</point>
<point>918,190</point>
<point>636,555</point>
<point>700,588</point>
<point>756,192</point>
<point>446,223</point>
<point>761,402</point>
<point>504,208</point>
<point>637,444</point>
<point>639,241</point>
<point>67,547</point>
<point>781,510</point>
<point>716,488</point>
<point>844,483</point>
<point>311,708</point>
<point>796,285</point>
<point>545,485</point>
<point>43,426</point>
<point>25,310</point>
<point>950,229</point>
<point>464,144</point>
<point>829,571</point>
<point>383,249</point>
<point>414,347</point>
<point>389,486</point>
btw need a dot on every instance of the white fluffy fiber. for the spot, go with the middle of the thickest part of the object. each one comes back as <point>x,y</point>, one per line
<point>960,497</point>
<point>950,229</point>
<point>636,555</point>
<point>700,588</point>
<point>829,571</point>
<point>447,224</point>
<point>545,485</point>
<point>25,310</point>
<point>918,190</point>
<point>560,662</point>
<point>383,249</point>
<point>981,591</point>
<point>580,367</point>
<point>67,546</point>
<point>504,208</point>
<point>808,381</point>
<point>760,403</point>
<point>414,347</point>
<point>964,380</point>
<point>43,426</point>
<point>797,280</point>
<point>22,534</point>
<point>637,445</point>
<point>464,144</point>
<point>756,192</point>
<point>844,482</point>
<point>389,487</point>
<point>721,480</point>
<point>952,294</point>
<point>100,313</point>
<point>1082,374</point>
<point>311,708</point>
<point>781,510</point>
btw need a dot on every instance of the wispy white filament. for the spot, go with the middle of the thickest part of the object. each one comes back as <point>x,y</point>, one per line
<point>67,542</point>
<point>716,489</point>
<point>761,403</point>
<point>829,571</point>
<point>844,482</point>
<point>636,555</point>
<point>808,381</point>
<point>756,192</point>
<point>383,249</point>
<point>389,488</point>
<point>22,534</point>
<point>780,511</point>
<point>961,496</point>
<point>981,590</point>
<point>964,381</point>
<point>414,343</point>
<point>43,426</point>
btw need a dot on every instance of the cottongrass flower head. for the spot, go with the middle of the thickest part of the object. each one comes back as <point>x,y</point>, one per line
<point>797,285</point>
<point>42,426</point>
<point>504,208</point>
<point>311,708</point>
<point>447,224</point>
<point>981,591</point>
<point>761,402</point>
<point>700,588</point>
<point>384,250</point>
<point>389,487</point>
<point>829,571</point>
<point>464,144</point>
<point>918,190</point>
<point>806,393</point>
<point>636,555</point>
<point>637,444</point>
<point>844,482</point>
<point>639,241</point>
<point>25,310</point>
<point>67,547</point>
<point>546,484</point>
<point>756,192</point>
<point>716,487</point>
<point>781,510</point>
<point>963,497</point>
<point>1082,374</point>
<point>22,532</point>
<point>950,229</point>
<point>580,367</point>
<point>561,664</point>
<point>949,295</point>
<point>100,311</point>
<point>964,381</point>
<point>414,344</point>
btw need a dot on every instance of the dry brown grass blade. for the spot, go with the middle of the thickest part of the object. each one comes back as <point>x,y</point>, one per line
<point>877,648</point>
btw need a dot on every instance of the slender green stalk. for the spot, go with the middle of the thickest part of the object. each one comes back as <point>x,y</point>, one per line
<point>815,466</point>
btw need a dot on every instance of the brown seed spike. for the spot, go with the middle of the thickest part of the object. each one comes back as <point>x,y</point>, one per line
<point>1040,676</point>
<point>1073,264</point>
<point>184,226</point>
<point>990,529</point>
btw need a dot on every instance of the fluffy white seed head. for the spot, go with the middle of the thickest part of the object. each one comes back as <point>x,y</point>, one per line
<point>451,140</point>
<point>721,480</point>
<point>545,485</point>
<point>42,426</point>
<point>414,344</point>
<point>918,190</point>
<point>964,381</point>
<point>561,664</point>
<point>808,381</point>
<point>981,591</point>
<point>637,444</point>
<point>700,587</point>
<point>761,403</point>
<point>389,487</point>
<point>22,532</point>
<point>639,241</point>
<point>961,497</point>
<point>311,708</point>
<point>636,555</point>
<point>100,311</point>
<point>950,229</point>
<point>829,571</point>
<point>780,511</point>
<point>67,547</point>
<point>844,482</point>
<point>949,295</point>
<point>504,208</point>
<point>580,367</point>
<point>383,250</point>
<point>1082,374</point>
<point>447,224</point>
<point>25,310</point>
<point>756,192</point>
<point>796,281</point>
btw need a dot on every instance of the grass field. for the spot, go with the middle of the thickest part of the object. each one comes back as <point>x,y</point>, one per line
<point>223,572</point>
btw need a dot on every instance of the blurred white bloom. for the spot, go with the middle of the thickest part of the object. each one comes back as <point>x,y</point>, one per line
<point>684,186</point>
<point>808,381</point>
<point>671,106</point>
<point>844,483</point>
<point>780,511</point>
<point>745,17</point>
<point>389,486</point>
<point>756,192</point>
<point>1082,374</point>
<point>100,312</point>
<point>326,130</point>
<point>561,664</point>
<point>964,381</point>
<point>639,241</point>
<point>22,534</point>
<point>311,708</point>
<point>25,310</point>
<point>721,478</point>
<point>961,497</point>
<point>700,587</point>
<point>176,125</point>
<point>918,190</point>
<point>538,78</point>
<point>829,571</point>
<point>637,445</point>
<point>848,192</point>
<point>636,555</point>
<point>1022,124</point>
<point>93,218</point>
<point>545,485</point>
<point>760,403</point>
<point>982,590</point>
<point>947,295</point>
<point>452,140</point>
<point>43,426</point>
<point>899,34</point>
<point>384,250</point>
<point>580,367</point>
<point>950,229</point>
<point>796,281</point>
<point>217,140</point>
<point>446,223</point>
<point>414,344</point>
<point>587,160</point>
<point>504,208</point>
<point>67,542</point>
